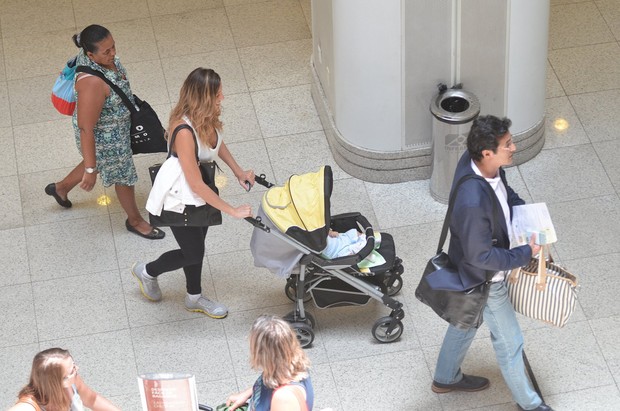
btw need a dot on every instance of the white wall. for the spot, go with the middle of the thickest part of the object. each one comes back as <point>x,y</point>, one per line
<point>527,58</point>
<point>367,78</point>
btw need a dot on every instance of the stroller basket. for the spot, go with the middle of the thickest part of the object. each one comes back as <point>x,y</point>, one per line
<point>333,292</point>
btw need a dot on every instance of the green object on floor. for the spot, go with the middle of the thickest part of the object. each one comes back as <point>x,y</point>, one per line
<point>223,407</point>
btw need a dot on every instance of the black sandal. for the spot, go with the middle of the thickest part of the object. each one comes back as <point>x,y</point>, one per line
<point>154,234</point>
<point>50,190</point>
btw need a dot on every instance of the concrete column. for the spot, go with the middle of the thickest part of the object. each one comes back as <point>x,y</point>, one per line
<point>377,63</point>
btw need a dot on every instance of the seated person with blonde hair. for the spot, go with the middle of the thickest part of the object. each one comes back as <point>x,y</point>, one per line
<point>55,385</point>
<point>284,384</point>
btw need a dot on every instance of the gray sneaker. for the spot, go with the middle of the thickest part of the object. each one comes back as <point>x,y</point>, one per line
<point>206,306</point>
<point>148,286</point>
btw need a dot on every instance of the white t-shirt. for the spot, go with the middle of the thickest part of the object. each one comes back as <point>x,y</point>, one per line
<point>502,195</point>
<point>205,153</point>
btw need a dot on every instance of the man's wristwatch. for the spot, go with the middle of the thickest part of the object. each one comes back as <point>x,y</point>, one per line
<point>90,170</point>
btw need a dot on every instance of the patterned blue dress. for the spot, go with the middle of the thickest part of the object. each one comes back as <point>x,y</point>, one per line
<point>112,144</point>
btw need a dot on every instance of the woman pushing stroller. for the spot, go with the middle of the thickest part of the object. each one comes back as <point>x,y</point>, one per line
<point>195,129</point>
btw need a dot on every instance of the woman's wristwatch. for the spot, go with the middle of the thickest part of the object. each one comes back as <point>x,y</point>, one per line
<point>90,170</point>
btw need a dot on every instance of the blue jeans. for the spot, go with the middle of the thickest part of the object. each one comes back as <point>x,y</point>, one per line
<point>507,341</point>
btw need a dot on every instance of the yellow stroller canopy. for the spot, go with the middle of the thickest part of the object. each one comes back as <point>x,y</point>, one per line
<point>300,208</point>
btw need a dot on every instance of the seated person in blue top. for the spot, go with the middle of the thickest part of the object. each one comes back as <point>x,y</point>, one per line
<point>284,384</point>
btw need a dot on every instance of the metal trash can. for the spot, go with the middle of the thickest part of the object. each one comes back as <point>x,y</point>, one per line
<point>453,111</point>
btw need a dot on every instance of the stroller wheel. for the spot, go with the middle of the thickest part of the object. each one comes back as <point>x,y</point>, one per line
<point>291,290</point>
<point>396,284</point>
<point>304,332</point>
<point>293,318</point>
<point>387,329</point>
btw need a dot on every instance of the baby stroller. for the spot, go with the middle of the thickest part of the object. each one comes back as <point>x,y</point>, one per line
<point>290,231</point>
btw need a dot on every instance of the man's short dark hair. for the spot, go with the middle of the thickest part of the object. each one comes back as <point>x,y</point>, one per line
<point>485,133</point>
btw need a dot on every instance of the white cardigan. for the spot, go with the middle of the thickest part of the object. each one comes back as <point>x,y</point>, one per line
<point>170,191</point>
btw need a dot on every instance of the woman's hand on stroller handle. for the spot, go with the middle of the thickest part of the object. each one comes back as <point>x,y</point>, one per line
<point>261,179</point>
<point>246,179</point>
<point>242,211</point>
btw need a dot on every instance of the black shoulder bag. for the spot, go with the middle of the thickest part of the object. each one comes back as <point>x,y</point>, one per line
<point>192,216</point>
<point>462,309</point>
<point>147,133</point>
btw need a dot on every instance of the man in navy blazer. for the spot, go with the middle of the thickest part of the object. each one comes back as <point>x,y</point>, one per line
<point>480,249</point>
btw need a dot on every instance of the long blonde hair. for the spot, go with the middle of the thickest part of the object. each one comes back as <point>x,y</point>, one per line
<point>198,101</point>
<point>275,351</point>
<point>46,385</point>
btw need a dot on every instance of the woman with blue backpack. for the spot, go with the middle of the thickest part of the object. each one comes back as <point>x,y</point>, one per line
<point>102,127</point>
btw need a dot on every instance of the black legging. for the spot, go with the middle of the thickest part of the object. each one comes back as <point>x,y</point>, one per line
<point>191,241</point>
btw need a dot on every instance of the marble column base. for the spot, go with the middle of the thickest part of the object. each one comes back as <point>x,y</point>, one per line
<point>405,165</point>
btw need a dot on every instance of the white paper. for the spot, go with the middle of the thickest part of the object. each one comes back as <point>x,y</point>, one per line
<point>532,218</point>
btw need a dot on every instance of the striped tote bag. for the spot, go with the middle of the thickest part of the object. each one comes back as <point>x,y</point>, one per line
<point>543,290</point>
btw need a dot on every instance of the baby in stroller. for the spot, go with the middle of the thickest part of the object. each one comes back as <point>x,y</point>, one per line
<point>352,242</point>
<point>340,244</point>
<point>291,238</point>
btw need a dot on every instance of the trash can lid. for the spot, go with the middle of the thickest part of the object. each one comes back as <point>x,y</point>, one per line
<point>455,106</point>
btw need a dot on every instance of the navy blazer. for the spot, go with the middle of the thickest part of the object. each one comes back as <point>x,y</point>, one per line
<point>477,252</point>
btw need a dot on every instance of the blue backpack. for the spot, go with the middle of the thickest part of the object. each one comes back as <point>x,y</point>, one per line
<point>63,94</point>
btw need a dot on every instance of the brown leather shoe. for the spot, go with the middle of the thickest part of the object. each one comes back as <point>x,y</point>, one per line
<point>468,383</point>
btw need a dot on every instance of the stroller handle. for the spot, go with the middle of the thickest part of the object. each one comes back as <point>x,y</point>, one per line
<point>258,223</point>
<point>261,179</point>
